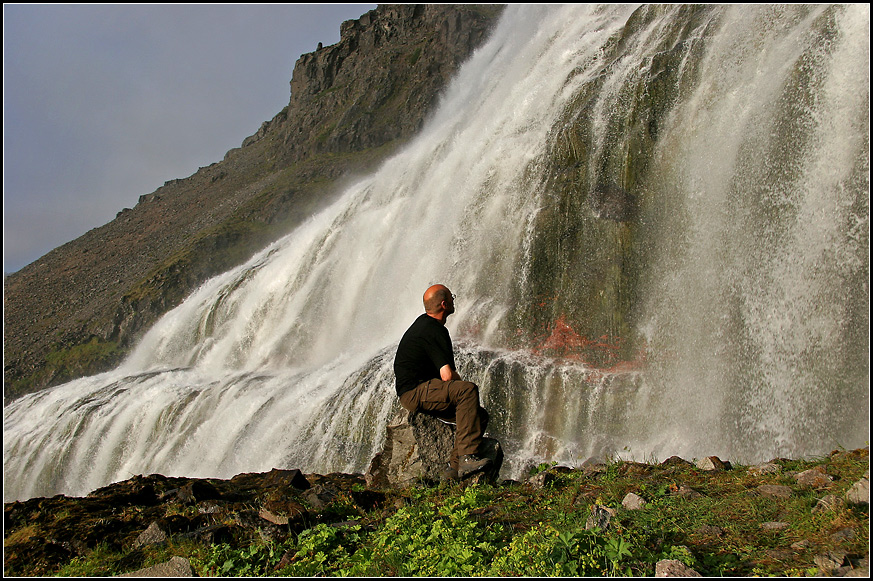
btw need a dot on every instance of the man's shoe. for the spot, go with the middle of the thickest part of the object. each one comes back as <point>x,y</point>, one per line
<point>471,463</point>
<point>449,474</point>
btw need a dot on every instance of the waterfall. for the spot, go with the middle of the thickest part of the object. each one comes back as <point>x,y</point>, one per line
<point>722,308</point>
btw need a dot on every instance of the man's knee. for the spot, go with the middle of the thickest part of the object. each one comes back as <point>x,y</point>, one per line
<point>465,389</point>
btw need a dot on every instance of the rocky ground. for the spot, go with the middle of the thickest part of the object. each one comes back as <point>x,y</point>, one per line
<point>783,517</point>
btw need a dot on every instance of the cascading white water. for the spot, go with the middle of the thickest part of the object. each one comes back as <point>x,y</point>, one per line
<point>286,361</point>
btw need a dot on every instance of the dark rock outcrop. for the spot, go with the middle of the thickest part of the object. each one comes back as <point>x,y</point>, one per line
<point>76,310</point>
<point>417,448</point>
<point>44,533</point>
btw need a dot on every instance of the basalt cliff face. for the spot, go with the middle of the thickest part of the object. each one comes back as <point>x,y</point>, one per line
<point>77,310</point>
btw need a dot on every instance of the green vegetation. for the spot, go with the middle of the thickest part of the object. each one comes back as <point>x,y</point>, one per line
<point>517,529</point>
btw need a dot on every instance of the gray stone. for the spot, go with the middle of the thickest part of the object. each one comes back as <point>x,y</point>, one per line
<point>829,503</point>
<point>827,562</point>
<point>711,463</point>
<point>175,567</point>
<point>599,518</point>
<point>152,535</point>
<point>774,491</point>
<point>814,477</point>
<point>632,501</point>
<point>687,493</point>
<point>269,516</point>
<point>674,568</point>
<point>765,468</point>
<point>541,480</point>
<point>859,493</point>
<point>774,526</point>
<point>435,440</point>
<point>319,496</point>
<point>710,531</point>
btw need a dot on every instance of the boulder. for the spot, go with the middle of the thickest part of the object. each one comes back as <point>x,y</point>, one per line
<point>175,567</point>
<point>829,503</point>
<point>712,464</point>
<point>541,480</point>
<point>154,534</point>
<point>599,518</point>
<point>814,478</point>
<point>674,568</point>
<point>687,493</point>
<point>859,493</point>
<point>417,449</point>
<point>633,502</point>
<point>774,491</point>
<point>765,468</point>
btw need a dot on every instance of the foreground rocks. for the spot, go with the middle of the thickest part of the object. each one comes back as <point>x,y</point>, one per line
<point>139,517</point>
<point>44,533</point>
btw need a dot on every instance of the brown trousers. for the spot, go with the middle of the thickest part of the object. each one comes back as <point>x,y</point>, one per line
<point>453,401</point>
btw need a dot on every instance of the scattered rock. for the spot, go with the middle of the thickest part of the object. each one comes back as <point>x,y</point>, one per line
<point>774,526</point>
<point>675,461</point>
<point>859,493</point>
<point>319,496</point>
<point>593,466</point>
<point>829,503</point>
<point>196,491</point>
<point>599,518</point>
<point>712,464</point>
<point>765,468</point>
<point>282,512</point>
<point>829,561</point>
<point>632,501</point>
<point>774,491</point>
<point>815,478</point>
<point>154,534</point>
<point>687,493</point>
<point>175,567</point>
<point>843,534</point>
<point>710,531</point>
<point>541,480</point>
<point>674,568</point>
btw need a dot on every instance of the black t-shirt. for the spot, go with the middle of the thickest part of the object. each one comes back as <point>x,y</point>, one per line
<point>424,349</point>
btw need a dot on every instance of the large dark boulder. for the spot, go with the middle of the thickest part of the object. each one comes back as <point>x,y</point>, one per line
<point>416,451</point>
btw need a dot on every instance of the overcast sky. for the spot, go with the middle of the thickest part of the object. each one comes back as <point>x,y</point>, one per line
<point>104,103</point>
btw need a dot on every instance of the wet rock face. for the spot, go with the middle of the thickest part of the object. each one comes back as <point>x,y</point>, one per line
<point>43,534</point>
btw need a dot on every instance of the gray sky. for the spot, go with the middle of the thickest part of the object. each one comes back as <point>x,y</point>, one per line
<point>104,103</point>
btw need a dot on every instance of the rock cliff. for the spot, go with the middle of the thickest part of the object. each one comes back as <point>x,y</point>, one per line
<point>77,310</point>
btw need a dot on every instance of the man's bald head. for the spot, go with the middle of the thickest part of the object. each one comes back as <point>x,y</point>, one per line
<point>437,299</point>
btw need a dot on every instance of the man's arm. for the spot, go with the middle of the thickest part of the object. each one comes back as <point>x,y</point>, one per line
<point>448,374</point>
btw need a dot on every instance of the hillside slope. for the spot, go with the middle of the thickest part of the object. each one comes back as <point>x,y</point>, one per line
<point>76,310</point>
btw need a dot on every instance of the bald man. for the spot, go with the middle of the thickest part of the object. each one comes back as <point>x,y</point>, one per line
<point>427,381</point>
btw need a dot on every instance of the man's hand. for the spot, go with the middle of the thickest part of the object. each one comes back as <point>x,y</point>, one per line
<point>448,374</point>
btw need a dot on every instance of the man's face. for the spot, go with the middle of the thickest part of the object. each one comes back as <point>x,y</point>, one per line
<point>450,304</point>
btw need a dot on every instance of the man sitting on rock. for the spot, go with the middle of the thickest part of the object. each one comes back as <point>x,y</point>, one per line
<point>426,381</point>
